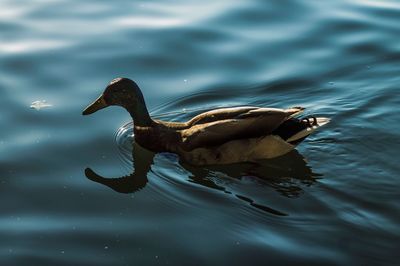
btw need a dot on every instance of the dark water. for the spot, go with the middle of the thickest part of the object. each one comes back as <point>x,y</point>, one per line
<point>334,202</point>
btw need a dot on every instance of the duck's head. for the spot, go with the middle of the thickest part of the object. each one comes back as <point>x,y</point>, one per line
<point>122,92</point>
<point>125,93</point>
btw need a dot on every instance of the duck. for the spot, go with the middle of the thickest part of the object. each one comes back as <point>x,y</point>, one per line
<point>216,137</point>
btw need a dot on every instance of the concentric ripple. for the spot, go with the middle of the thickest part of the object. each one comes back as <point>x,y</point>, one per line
<point>124,137</point>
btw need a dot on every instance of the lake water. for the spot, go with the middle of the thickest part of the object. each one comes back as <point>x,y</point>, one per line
<point>333,202</point>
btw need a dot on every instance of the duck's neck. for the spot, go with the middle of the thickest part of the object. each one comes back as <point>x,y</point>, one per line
<point>139,113</point>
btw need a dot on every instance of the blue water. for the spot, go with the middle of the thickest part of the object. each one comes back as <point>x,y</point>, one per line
<point>333,202</point>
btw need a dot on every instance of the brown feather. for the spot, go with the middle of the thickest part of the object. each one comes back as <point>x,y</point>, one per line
<point>246,122</point>
<point>219,114</point>
<point>212,128</point>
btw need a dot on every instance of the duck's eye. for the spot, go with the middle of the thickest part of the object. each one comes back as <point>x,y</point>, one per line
<point>106,97</point>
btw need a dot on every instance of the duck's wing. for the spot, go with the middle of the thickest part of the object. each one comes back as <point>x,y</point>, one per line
<point>233,123</point>
<point>209,116</point>
<point>220,114</point>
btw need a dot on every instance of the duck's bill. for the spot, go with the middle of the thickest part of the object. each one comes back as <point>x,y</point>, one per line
<point>99,104</point>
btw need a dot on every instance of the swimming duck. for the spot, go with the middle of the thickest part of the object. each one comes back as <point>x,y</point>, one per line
<point>220,136</point>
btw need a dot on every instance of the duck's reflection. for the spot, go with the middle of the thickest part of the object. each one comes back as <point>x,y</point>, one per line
<point>142,161</point>
<point>286,174</point>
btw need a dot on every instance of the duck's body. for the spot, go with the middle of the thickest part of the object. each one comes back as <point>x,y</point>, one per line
<point>221,136</point>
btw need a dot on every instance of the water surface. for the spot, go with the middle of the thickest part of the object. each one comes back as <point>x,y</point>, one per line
<point>334,201</point>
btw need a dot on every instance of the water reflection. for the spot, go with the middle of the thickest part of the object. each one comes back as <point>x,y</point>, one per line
<point>286,174</point>
<point>142,161</point>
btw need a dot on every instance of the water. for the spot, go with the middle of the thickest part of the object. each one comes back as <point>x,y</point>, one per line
<point>334,202</point>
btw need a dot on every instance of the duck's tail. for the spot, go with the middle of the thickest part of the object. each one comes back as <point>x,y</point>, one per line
<point>310,124</point>
<point>296,130</point>
<point>295,111</point>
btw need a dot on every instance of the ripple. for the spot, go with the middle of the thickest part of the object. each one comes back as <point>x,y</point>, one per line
<point>31,46</point>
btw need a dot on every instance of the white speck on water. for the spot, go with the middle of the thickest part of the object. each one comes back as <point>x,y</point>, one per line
<point>37,105</point>
<point>106,247</point>
<point>62,251</point>
<point>185,80</point>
